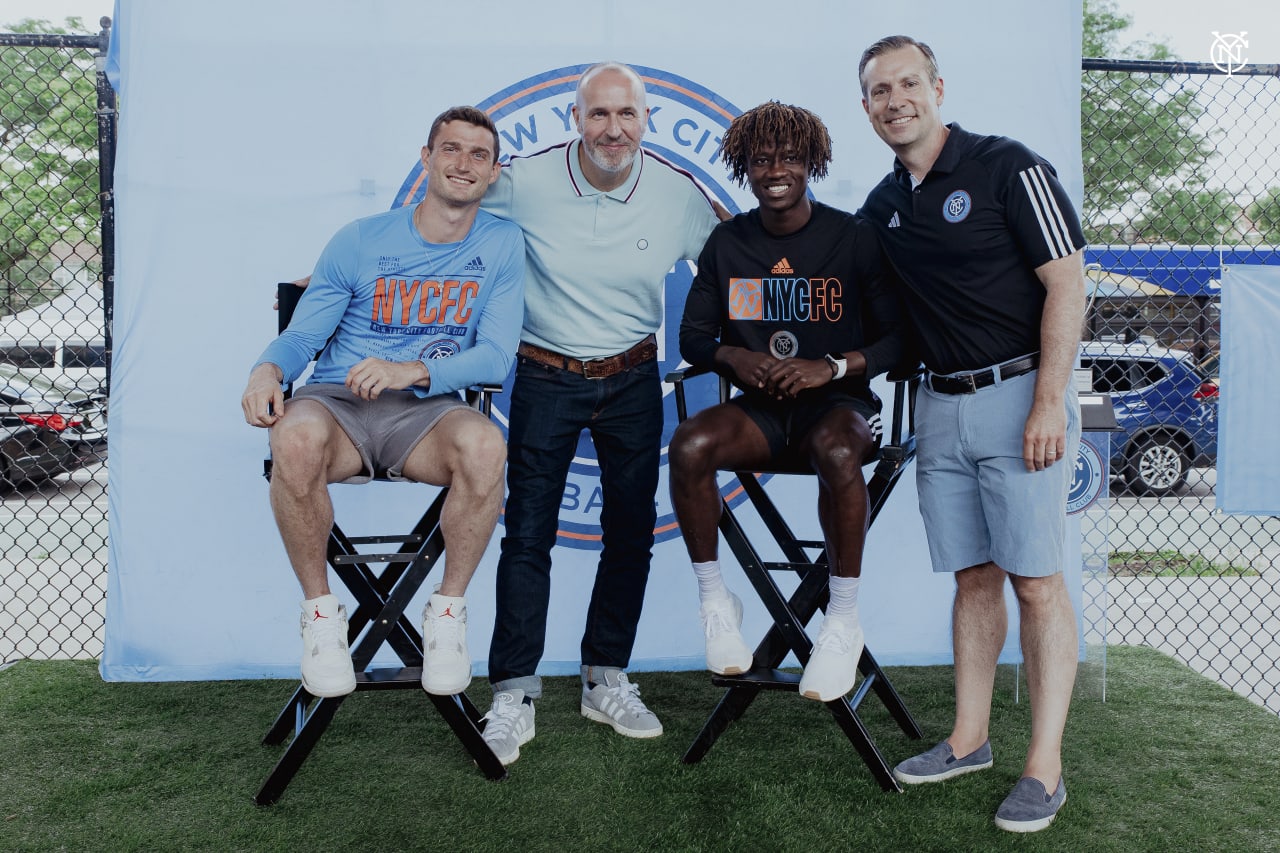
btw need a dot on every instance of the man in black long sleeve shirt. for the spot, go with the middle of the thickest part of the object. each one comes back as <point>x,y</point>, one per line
<point>791,303</point>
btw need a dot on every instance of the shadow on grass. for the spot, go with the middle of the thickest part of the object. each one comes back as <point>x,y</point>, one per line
<point>1170,761</point>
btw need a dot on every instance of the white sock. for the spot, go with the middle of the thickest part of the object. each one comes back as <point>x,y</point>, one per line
<point>325,605</point>
<point>844,598</point>
<point>441,603</point>
<point>710,581</point>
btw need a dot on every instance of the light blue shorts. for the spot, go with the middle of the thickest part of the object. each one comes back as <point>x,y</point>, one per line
<point>979,502</point>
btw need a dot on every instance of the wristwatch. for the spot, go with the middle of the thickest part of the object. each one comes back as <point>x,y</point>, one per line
<point>838,364</point>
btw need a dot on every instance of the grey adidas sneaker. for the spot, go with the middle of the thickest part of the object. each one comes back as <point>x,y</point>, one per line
<point>508,725</point>
<point>616,701</point>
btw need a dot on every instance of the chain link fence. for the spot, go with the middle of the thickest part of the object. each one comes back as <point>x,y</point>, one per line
<point>1181,176</point>
<point>57,125</point>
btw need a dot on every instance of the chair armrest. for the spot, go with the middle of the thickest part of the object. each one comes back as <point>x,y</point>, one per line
<point>905,372</point>
<point>682,373</point>
<point>480,397</point>
<point>679,375</point>
<point>902,429</point>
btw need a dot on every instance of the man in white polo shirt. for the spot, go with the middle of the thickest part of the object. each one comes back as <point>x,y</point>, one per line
<point>604,222</point>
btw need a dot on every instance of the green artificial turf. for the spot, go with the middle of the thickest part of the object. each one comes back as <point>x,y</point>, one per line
<point>1171,761</point>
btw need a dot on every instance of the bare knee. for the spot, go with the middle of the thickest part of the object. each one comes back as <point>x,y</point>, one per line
<point>985,579</point>
<point>300,448</point>
<point>838,447</point>
<point>1037,593</point>
<point>480,455</point>
<point>692,452</point>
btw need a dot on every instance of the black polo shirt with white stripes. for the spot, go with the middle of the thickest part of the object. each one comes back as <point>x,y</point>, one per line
<point>966,242</point>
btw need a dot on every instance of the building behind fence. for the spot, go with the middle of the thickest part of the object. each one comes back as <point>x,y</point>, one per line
<point>1181,176</point>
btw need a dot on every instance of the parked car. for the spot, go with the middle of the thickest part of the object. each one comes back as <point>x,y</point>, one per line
<point>1209,369</point>
<point>47,427</point>
<point>1166,408</point>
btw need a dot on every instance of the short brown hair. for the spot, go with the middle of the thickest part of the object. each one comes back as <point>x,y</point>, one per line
<point>889,43</point>
<point>773,123</point>
<point>470,115</point>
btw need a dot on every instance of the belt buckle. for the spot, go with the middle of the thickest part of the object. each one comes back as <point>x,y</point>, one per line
<point>589,373</point>
<point>970,379</point>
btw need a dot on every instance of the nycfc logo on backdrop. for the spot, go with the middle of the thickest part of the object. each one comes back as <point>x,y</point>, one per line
<point>783,344</point>
<point>686,122</point>
<point>957,206</point>
<point>1086,480</point>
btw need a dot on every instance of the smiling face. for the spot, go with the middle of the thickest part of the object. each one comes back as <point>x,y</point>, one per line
<point>610,114</point>
<point>460,163</point>
<point>902,102</point>
<point>779,178</point>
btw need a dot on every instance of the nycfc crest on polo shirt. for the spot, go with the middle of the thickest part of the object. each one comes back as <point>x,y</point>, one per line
<point>957,206</point>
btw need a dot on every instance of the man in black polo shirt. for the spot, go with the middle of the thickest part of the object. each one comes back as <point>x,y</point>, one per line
<point>989,250</point>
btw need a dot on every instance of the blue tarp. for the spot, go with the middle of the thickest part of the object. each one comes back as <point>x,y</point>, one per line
<point>1182,270</point>
<point>1248,409</point>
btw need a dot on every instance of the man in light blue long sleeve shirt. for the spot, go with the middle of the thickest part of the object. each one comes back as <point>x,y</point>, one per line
<point>409,306</point>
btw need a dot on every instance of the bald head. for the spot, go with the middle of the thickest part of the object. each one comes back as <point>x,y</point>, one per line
<point>614,70</point>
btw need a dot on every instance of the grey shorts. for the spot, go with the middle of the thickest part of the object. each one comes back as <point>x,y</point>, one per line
<point>384,431</point>
<point>979,502</point>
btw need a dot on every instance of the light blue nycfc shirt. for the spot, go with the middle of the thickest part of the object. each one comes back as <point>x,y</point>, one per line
<point>392,295</point>
<point>597,261</point>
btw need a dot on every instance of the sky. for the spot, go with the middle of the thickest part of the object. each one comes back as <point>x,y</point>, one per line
<point>1186,25</point>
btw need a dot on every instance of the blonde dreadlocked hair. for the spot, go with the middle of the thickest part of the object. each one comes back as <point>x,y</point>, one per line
<point>774,123</point>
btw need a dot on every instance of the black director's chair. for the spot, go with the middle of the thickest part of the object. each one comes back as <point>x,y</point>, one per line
<point>381,598</point>
<point>791,614</point>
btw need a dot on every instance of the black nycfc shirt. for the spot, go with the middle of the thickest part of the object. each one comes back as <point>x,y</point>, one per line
<point>966,243</point>
<point>824,288</point>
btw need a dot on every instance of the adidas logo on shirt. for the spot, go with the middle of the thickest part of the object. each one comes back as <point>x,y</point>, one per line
<point>782,267</point>
<point>474,265</point>
<point>894,222</point>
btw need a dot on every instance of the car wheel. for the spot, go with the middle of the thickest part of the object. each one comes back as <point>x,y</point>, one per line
<point>1157,466</point>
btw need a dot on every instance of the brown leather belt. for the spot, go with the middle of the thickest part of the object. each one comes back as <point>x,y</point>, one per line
<point>594,368</point>
<point>968,383</point>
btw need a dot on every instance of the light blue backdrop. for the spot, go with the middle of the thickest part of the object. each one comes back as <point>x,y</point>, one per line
<point>245,145</point>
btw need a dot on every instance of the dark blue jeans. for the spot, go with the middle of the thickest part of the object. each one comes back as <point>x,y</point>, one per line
<point>548,411</point>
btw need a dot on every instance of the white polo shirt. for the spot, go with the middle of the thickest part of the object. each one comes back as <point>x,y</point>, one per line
<point>597,261</point>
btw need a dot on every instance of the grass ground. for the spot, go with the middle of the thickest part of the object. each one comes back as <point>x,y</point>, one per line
<point>1171,761</point>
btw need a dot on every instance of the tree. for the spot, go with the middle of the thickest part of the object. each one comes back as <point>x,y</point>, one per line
<point>1202,216</point>
<point>1265,215</point>
<point>48,160</point>
<point>1139,142</point>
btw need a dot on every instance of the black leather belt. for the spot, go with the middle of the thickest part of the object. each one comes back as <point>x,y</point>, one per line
<point>968,383</point>
<point>593,368</point>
